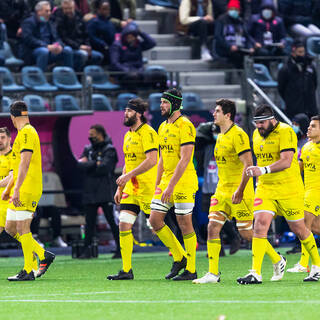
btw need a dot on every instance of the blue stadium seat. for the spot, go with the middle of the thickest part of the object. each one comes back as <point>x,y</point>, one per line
<point>191,101</point>
<point>6,103</point>
<point>34,79</point>
<point>65,79</point>
<point>157,76</point>
<point>100,80</point>
<point>10,59</point>
<point>35,103</point>
<point>123,98</point>
<point>66,102</point>
<point>262,76</point>
<point>313,46</point>
<point>8,83</point>
<point>100,102</point>
<point>154,101</point>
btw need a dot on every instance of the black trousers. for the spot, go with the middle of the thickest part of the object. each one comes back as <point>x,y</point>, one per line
<point>91,217</point>
<point>201,29</point>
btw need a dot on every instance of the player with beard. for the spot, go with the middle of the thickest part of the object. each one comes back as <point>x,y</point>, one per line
<point>279,191</point>
<point>177,184</point>
<point>137,183</point>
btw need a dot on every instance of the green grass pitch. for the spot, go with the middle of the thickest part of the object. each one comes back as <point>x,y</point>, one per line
<point>74,289</point>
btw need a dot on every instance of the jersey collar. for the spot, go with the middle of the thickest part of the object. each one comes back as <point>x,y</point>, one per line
<point>141,125</point>
<point>230,128</point>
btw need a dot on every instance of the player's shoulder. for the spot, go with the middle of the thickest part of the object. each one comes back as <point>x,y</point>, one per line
<point>306,146</point>
<point>183,120</point>
<point>283,127</point>
<point>237,130</point>
<point>146,128</point>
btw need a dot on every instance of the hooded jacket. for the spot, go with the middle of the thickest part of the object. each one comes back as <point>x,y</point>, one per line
<point>99,181</point>
<point>125,57</point>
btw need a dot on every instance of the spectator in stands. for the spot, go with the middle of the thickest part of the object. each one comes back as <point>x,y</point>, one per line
<point>267,30</point>
<point>232,38</point>
<point>72,31</point>
<point>40,42</point>
<point>126,55</point>
<point>297,16</point>
<point>195,18</point>
<point>220,7</point>
<point>83,6</point>
<point>101,30</point>
<point>131,5</point>
<point>297,83</point>
<point>98,162</point>
<point>32,3</point>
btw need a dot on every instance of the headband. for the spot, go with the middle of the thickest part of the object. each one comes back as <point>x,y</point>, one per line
<point>135,107</point>
<point>18,113</point>
<point>263,117</point>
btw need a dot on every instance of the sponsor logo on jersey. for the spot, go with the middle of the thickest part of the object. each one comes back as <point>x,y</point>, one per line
<point>310,166</point>
<point>166,147</point>
<point>158,191</point>
<point>243,213</point>
<point>130,155</point>
<point>257,201</point>
<point>124,196</point>
<point>180,196</point>
<point>264,156</point>
<point>214,202</point>
<point>292,212</point>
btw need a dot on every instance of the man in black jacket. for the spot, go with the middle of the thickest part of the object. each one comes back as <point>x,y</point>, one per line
<point>98,162</point>
<point>72,31</point>
<point>297,83</point>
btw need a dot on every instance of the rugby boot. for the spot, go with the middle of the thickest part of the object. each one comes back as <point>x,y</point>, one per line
<point>185,275</point>
<point>176,267</point>
<point>45,263</point>
<point>122,275</point>
<point>23,275</point>
<point>251,278</point>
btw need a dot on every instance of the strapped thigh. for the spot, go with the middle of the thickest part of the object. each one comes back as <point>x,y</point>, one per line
<point>218,217</point>
<point>244,225</point>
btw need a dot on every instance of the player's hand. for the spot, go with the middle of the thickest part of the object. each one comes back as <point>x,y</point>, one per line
<point>166,195</point>
<point>237,197</point>
<point>5,195</point>
<point>253,171</point>
<point>123,179</point>
<point>16,198</point>
<point>118,196</point>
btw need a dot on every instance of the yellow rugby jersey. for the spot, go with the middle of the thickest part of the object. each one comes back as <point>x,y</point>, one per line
<point>172,136</point>
<point>28,140</point>
<point>135,146</point>
<point>284,184</point>
<point>5,168</point>
<point>229,146</point>
<point>310,155</point>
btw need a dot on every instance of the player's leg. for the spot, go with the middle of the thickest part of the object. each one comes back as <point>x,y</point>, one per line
<point>127,217</point>
<point>302,265</point>
<point>158,213</point>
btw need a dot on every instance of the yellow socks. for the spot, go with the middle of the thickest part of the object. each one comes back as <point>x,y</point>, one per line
<point>273,255</point>
<point>34,258</point>
<point>37,249</point>
<point>311,248</point>
<point>126,247</point>
<point>190,243</point>
<point>304,259</point>
<point>17,237</point>
<point>259,246</point>
<point>214,247</point>
<point>171,242</point>
<point>27,248</point>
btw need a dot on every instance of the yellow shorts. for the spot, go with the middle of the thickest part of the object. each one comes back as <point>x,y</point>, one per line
<point>3,216</point>
<point>28,201</point>
<point>241,212</point>
<point>312,203</point>
<point>131,202</point>
<point>290,209</point>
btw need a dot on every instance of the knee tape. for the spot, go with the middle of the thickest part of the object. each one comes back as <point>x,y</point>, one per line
<point>127,217</point>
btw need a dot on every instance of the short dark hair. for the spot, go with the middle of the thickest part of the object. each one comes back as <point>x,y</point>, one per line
<point>6,131</point>
<point>141,105</point>
<point>317,117</point>
<point>18,107</point>
<point>298,43</point>
<point>263,110</point>
<point>227,106</point>
<point>100,129</point>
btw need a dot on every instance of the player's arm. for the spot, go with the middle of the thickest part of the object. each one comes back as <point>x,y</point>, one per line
<point>4,181</point>
<point>185,157</point>
<point>160,170</point>
<point>246,159</point>
<point>144,166</point>
<point>22,173</point>
<point>301,166</point>
<point>118,194</point>
<point>6,193</point>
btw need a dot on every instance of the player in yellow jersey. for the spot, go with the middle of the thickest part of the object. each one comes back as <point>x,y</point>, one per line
<point>279,192</point>
<point>24,191</point>
<point>137,183</point>
<point>177,184</point>
<point>234,194</point>
<point>310,165</point>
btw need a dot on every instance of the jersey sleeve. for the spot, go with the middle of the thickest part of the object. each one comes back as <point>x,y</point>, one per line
<point>150,141</point>
<point>288,140</point>
<point>302,155</point>
<point>187,133</point>
<point>27,141</point>
<point>241,142</point>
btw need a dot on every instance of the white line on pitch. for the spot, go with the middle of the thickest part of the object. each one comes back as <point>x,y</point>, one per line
<point>68,293</point>
<point>165,301</point>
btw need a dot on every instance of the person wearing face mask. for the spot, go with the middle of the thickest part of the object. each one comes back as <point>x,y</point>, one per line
<point>232,39</point>
<point>297,83</point>
<point>126,55</point>
<point>97,163</point>
<point>267,30</point>
<point>40,41</point>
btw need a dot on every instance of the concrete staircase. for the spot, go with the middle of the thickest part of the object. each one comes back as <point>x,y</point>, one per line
<point>174,54</point>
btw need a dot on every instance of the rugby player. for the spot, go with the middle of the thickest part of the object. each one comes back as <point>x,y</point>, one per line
<point>279,191</point>
<point>137,183</point>
<point>234,194</point>
<point>24,190</point>
<point>310,165</point>
<point>177,184</point>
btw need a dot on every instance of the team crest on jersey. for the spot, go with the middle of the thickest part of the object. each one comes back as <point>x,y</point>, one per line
<point>261,147</point>
<point>158,191</point>
<point>308,158</point>
<point>317,208</point>
<point>124,196</point>
<point>257,201</point>
<point>165,139</point>
<point>34,203</point>
<point>214,202</point>
<point>127,147</point>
